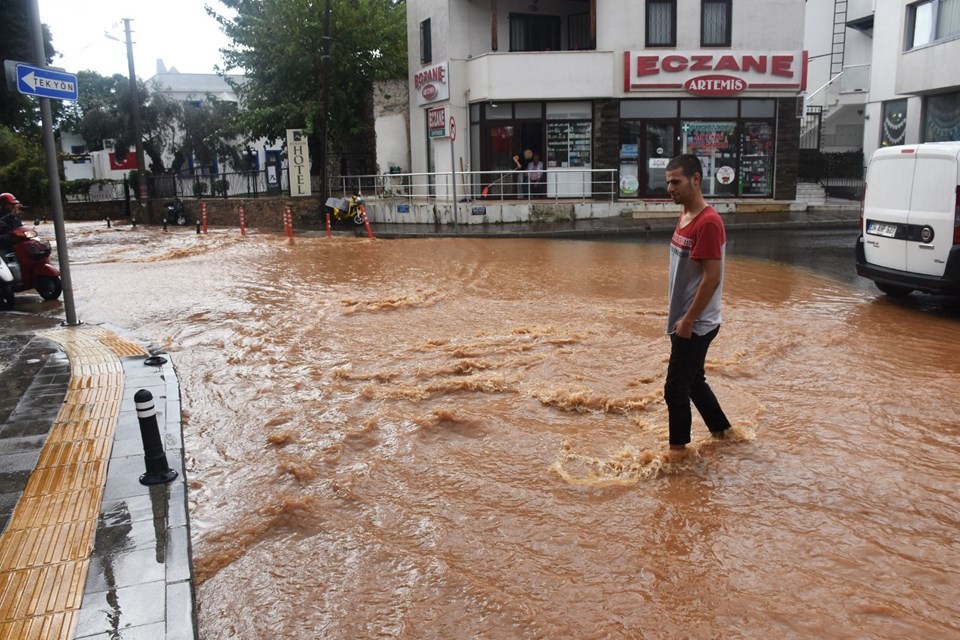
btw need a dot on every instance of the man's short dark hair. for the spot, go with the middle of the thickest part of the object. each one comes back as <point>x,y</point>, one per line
<point>689,163</point>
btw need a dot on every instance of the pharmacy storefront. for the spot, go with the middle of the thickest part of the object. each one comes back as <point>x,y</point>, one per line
<point>736,111</point>
<point>724,108</point>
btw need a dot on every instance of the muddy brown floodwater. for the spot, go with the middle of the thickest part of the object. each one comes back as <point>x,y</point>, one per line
<point>463,438</point>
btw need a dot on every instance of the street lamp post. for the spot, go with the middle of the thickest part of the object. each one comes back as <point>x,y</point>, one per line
<point>137,132</point>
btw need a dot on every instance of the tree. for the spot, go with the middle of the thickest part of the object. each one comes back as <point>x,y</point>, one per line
<point>206,135</point>
<point>279,45</point>
<point>104,111</point>
<point>18,112</point>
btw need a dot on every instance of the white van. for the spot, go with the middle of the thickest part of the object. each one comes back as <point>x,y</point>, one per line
<point>910,220</point>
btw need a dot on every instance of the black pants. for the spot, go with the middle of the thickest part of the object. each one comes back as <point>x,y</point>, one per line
<point>685,382</point>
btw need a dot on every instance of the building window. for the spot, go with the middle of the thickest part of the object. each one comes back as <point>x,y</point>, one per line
<point>893,129</point>
<point>578,32</point>
<point>715,23</point>
<point>932,20</point>
<point>529,32</point>
<point>426,43</point>
<point>661,23</point>
<point>941,118</point>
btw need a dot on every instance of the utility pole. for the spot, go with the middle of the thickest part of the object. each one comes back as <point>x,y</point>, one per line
<point>325,61</point>
<point>137,129</point>
<point>53,173</point>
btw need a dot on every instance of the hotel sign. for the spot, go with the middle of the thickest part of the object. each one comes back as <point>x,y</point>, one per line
<point>432,84</point>
<point>715,73</point>
<point>298,162</point>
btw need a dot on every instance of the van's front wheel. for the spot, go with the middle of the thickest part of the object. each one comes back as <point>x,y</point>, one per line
<point>893,290</point>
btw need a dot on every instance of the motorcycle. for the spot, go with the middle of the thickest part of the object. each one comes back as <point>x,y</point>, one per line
<point>174,212</point>
<point>29,264</point>
<point>342,210</point>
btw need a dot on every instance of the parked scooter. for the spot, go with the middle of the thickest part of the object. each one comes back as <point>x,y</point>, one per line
<point>6,287</point>
<point>174,212</point>
<point>30,265</point>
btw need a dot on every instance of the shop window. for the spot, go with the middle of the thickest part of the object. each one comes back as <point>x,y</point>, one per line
<point>708,108</point>
<point>528,110</point>
<point>426,42</point>
<point>941,118</point>
<point>756,159</point>
<point>932,20</point>
<point>715,23</point>
<point>578,32</point>
<point>758,108</point>
<point>661,23</point>
<point>648,108</point>
<point>532,32</point>
<point>499,111</point>
<point>715,143</point>
<point>893,128</point>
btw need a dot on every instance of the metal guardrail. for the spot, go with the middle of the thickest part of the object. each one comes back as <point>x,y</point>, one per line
<point>566,184</point>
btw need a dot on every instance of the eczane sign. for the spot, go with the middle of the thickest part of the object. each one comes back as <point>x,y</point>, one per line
<point>432,84</point>
<point>715,73</point>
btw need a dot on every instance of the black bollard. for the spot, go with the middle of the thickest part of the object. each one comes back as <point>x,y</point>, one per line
<point>108,223</point>
<point>164,223</point>
<point>158,471</point>
<point>198,227</point>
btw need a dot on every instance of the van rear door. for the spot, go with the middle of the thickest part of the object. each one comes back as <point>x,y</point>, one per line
<point>886,206</point>
<point>932,209</point>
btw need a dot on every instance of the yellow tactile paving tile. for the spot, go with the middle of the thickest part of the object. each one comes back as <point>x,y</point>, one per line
<point>48,545</point>
<point>45,551</point>
<point>59,479</point>
<point>56,626</point>
<point>69,506</point>
<point>60,454</point>
<point>81,430</point>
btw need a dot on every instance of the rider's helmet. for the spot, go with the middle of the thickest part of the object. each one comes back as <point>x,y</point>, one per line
<point>8,199</point>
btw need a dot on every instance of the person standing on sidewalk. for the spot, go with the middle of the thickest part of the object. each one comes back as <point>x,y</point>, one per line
<point>695,285</point>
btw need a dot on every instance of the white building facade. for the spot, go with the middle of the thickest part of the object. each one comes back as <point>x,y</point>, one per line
<point>897,76</point>
<point>614,85</point>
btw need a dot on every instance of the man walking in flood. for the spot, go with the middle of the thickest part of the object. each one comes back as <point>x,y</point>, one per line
<point>696,281</point>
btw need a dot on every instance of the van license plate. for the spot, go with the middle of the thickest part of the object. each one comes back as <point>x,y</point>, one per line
<point>881,229</point>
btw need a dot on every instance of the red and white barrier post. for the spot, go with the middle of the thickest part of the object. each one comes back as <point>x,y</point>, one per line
<point>329,231</point>
<point>288,222</point>
<point>243,222</point>
<point>203,214</point>
<point>366,223</point>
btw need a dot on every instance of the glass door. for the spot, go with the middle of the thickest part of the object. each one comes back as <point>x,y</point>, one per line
<point>715,143</point>
<point>502,149</point>
<point>658,146</point>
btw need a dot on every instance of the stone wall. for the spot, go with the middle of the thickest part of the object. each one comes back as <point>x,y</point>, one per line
<point>788,150</point>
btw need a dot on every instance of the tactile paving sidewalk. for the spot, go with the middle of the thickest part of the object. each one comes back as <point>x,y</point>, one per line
<point>45,551</point>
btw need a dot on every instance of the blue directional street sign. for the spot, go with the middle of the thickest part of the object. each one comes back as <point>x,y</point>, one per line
<point>46,83</point>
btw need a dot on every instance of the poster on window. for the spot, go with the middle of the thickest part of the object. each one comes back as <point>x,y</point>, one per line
<point>715,143</point>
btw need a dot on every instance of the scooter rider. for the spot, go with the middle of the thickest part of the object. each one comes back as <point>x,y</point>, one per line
<point>9,220</point>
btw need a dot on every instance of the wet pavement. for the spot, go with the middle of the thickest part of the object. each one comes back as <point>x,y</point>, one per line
<point>87,550</point>
<point>137,582</point>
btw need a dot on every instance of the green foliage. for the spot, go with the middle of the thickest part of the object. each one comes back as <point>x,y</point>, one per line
<point>23,168</point>
<point>207,134</point>
<point>220,187</point>
<point>81,187</point>
<point>18,112</point>
<point>279,45</point>
<point>199,188</point>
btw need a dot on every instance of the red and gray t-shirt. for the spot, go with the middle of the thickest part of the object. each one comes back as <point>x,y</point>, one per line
<point>703,239</point>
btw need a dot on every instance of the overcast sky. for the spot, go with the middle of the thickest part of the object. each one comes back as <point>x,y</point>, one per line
<point>177,31</point>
